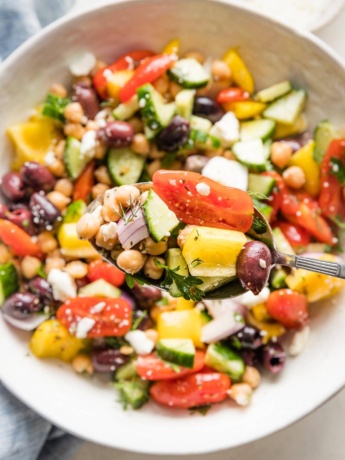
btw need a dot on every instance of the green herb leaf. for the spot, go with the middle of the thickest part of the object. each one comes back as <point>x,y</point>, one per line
<point>257,196</point>
<point>201,409</point>
<point>196,262</point>
<point>168,160</point>
<point>115,342</point>
<point>54,106</point>
<point>337,168</point>
<point>130,281</point>
<point>41,272</point>
<point>259,226</point>
<point>138,320</point>
<point>175,367</point>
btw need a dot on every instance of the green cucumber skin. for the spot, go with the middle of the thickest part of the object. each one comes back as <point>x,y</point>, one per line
<point>224,359</point>
<point>75,164</point>
<point>132,164</point>
<point>274,92</point>
<point>126,372</point>
<point>134,392</point>
<point>274,110</point>
<point>9,281</point>
<point>265,209</point>
<point>182,74</point>
<point>260,184</point>
<point>173,357</point>
<point>278,277</point>
<point>324,133</point>
<point>265,129</point>
<point>176,259</point>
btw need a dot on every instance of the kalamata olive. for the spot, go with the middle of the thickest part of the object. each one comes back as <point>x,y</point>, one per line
<point>108,360</point>
<point>206,107</point>
<point>37,176</point>
<point>19,205</point>
<point>253,266</point>
<point>174,135</point>
<point>195,163</point>
<point>12,186</point>
<point>116,134</point>
<point>20,305</point>
<point>145,320</point>
<point>248,338</point>
<point>146,296</point>
<point>273,357</point>
<point>250,357</point>
<point>42,290</point>
<point>87,98</point>
<point>3,211</point>
<point>44,213</point>
<point>81,282</point>
<point>23,218</point>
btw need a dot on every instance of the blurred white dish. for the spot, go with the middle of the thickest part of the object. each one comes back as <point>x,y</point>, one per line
<point>273,52</point>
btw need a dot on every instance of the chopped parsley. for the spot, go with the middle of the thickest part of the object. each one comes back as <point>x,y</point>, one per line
<point>54,106</point>
<point>337,169</point>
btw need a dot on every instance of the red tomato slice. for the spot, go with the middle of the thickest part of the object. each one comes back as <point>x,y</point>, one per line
<point>147,72</point>
<point>18,240</point>
<point>214,205</point>
<point>191,391</point>
<point>288,307</point>
<point>295,234</point>
<point>102,270</point>
<point>127,61</point>
<point>84,183</point>
<point>232,95</point>
<point>115,319</point>
<point>151,367</point>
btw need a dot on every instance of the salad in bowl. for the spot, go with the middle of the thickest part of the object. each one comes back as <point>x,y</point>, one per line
<point>214,149</point>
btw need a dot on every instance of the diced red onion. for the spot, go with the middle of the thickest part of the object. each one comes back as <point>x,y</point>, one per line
<point>128,298</point>
<point>221,327</point>
<point>29,324</point>
<point>217,308</point>
<point>133,231</point>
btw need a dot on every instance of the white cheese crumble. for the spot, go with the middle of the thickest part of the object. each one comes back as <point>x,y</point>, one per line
<point>103,114</point>
<point>217,308</point>
<point>140,342</point>
<point>49,158</point>
<point>203,189</point>
<point>262,263</point>
<point>83,327</point>
<point>299,341</point>
<point>250,300</point>
<point>226,172</point>
<point>63,285</point>
<point>227,129</point>
<point>82,64</point>
<point>109,231</point>
<point>97,213</point>
<point>98,308</point>
<point>88,144</point>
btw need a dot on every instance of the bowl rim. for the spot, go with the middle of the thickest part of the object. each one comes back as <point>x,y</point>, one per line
<point>79,16</point>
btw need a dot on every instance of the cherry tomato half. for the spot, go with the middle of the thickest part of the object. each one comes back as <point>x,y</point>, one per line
<point>102,270</point>
<point>288,307</point>
<point>18,240</point>
<point>296,235</point>
<point>232,95</point>
<point>197,200</point>
<point>192,390</point>
<point>114,319</point>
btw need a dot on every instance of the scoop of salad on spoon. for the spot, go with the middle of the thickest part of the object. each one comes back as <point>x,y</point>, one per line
<point>188,235</point>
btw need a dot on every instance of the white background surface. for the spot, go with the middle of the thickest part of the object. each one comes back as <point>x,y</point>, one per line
<point>320,436</point>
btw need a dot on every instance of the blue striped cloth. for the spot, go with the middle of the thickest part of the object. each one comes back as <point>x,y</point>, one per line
<point>23,434</point>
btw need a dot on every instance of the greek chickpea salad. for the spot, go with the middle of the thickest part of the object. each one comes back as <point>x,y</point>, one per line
<point>214,147</point>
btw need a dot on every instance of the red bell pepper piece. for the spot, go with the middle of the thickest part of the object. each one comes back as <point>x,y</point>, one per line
<point>147,72</point>
<point>84,183</point>
<point>276,198</point>
<point>18,240</point>
<point>232,95</point>
<point>125,62</point>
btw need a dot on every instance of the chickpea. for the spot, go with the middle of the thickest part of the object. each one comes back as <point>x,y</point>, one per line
<point>126,195</point>
<point>281,153</point>
<point>162,84</point>
<point>220,70</point>
<point>131,261</point>
<point>5,254</point>
<point>57,168</point>
<point>74,112</point>
<point>150,268</point>
<point>83,79</point>
<point>148,246</point>
<point>30,266</point>
<point>176,165</point>
<point>229,155</point>
<point>195,55</point>
<point>152,335</point>
<point>153,167</point>
<point>58,199</point>
<point>136,124</point>
<point>55,253</point>
<point>252,377</point>
<point>87,226</point>
<point>76,269</point>
<point>58,89</point>
<point>74,129</point>
<point>98,190</point>
<point>47,242</point>
<point>156,154</point>
<point>183,235</point>
<point>174,88</point>
<point>100,151</point>
<point>241,393</point>
<point>107,236</point>
<point>59,149</point>
<point>140,144</point>
<point>82,363</point>
<point>64,186</point>
<point>111,213</point>
<point>54,262</point>
<point>126,350</point>
<point>294,177</point>
<point>116,252</point>
<point>102,175</point>
<point>210,153</point>
<point>143,197</point>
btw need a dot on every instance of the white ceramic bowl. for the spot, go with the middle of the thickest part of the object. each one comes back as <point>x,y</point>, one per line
<point>273,52</point>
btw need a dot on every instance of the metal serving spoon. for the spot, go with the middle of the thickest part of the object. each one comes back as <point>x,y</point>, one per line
<point>262,233</point>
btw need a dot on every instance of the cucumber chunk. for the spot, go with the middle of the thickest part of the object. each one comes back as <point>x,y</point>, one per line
<point>125,166</point>
<point>274,92</point>
<point>9,282</point>
<point>209,283</point>
<point>133,393</point>
<point>75,161</point>
<point>260,184</point>
<point>127,109</point>
<point>253,154</point>
<point>324,133</point>
<point>184,101</point>
<point>175,260</point>
<point>200,124</point>
<point>99,288</point>
<point>257,129</point>
<point>278,277</point>
<point>299,127</point>
<point>126,372</point>
<point>160,219</point>
<point>224,359</point>
<point>265,209</point>
<point>189,73</point>
<point>177,351</point>
<point>282,244</point>
<point>286,109</point>
<point>74,212</point>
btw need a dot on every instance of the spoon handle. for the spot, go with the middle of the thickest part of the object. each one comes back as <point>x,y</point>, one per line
<point>313,265</point>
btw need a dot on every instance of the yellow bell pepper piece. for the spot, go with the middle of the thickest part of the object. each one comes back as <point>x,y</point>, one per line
<point>269,329</point>
<point>183,324</point>
<point>315,285</point>
<point>117,81</point>
<point>283,131</point>
<point>32,140</point>
<point>173,47</point>
<point>240,73</point>
<point>260,312</point>
<point>245,109</point>
<point>213,251</point>
<point>52,340</point>
<point>71,245</point>
<point>304,158</point>
<point>183,304</point>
